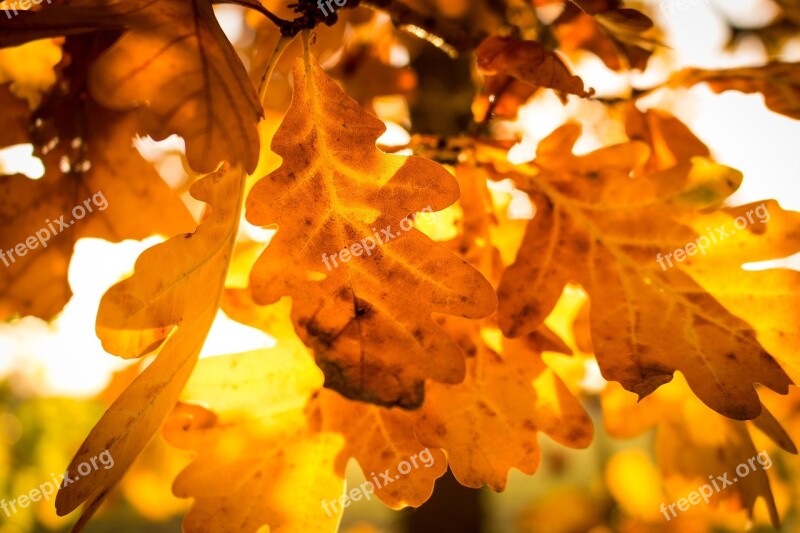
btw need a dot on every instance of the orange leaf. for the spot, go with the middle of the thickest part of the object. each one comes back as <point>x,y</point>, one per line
<point>603,224</point>
<point>367,315</point>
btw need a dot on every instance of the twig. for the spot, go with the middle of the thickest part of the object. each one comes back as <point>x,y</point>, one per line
<point>446,35</point>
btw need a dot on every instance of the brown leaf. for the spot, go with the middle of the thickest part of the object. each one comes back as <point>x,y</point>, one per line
<point>528,61</point>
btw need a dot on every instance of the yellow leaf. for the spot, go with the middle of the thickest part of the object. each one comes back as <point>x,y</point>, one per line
<point>177,284</point>
<point>258,462</point>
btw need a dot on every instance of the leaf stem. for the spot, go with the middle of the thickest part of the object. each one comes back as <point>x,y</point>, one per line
<point>277,52</point>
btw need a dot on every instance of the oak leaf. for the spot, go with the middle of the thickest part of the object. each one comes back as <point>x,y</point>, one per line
<point>601,222</point>
<point>367,320</point>
<point>506,399</point>
<point>171,300</point>
<point>766,298</point>
<point>509,394</point>
<point>612,33</point>
<point>380,439</point>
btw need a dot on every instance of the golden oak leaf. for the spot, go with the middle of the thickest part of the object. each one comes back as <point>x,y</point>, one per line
<point>779,82</point>
<point>694,442</point>
<point>380,439</point>
<point>603,224</point>
<point>530,62</point>
<point>489,423</point>
<point>255,436</point>
<point>87,191</point>
<point>174,64</point>
<point>365,427</point>
<point>367,312</point>
<point>176,286</point>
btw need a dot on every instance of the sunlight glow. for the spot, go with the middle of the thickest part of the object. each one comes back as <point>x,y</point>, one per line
<point>20,159</point>
<point>65,357</point>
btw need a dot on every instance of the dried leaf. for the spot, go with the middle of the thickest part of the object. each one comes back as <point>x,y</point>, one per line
<point>614,34</point>
<point>505,400</point>
<point>528,61</point>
